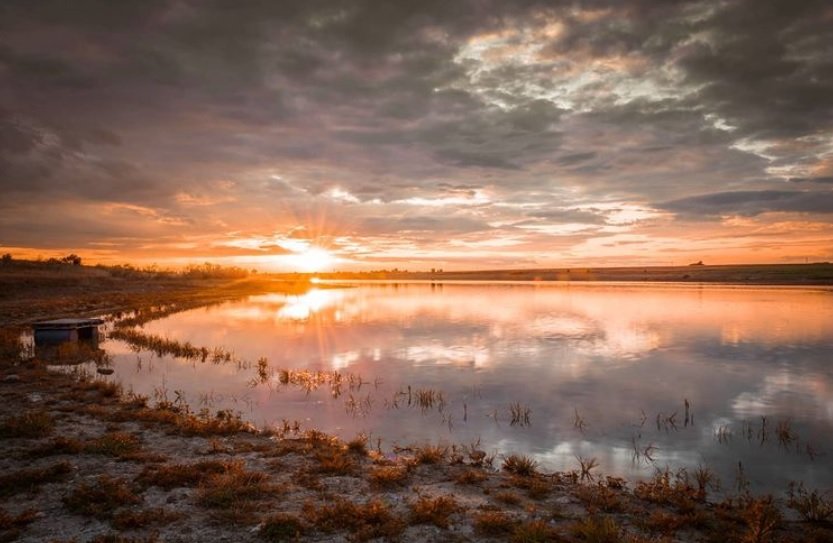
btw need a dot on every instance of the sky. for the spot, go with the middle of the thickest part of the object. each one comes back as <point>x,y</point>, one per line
<point>473,134</point>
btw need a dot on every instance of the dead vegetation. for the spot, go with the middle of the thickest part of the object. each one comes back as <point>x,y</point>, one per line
<point>28,480</point>
<point>101,497</point>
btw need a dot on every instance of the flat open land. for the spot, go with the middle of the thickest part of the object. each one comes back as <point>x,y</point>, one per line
<point>83,460</point>
<point>759,274</point>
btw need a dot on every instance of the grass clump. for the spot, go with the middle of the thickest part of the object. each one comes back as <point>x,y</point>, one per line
<point>100,498</point>
<point>233,487</point>
<point>11,525</point>
<point>370,520</point>
<point>26,480</point>
<point>358,445</point>
<point>335,462</point>
<point>388,476</point>
<point>594,529</point>
<point>57,446</point>
<point>32,424</point>
<point>520,465</point>
<point>182,475</point>
<point>534,531</point>
<point>436,511</point>
<point>117,444</point>
<point>430,454</point>
<point>281,527</point>
<point>470,477</point>
<point>813,506</point>
<point>494,524</point>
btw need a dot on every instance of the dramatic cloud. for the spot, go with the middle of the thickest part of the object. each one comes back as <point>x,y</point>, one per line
<point>449,134</point>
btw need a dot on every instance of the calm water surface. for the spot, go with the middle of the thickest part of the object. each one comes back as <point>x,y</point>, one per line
<point>605,370</point>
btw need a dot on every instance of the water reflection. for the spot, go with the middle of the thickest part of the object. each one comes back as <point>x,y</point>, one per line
<point>622,358</point>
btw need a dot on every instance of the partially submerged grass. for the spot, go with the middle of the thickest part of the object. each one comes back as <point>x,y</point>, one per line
<point>101,497</point>
<point>27,480</point>
<point>31,424</point>
<point>436,510</point>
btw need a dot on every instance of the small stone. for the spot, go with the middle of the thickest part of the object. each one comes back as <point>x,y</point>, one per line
<point>11,378</point>
<point>34,397</point>
<point>105,371</point>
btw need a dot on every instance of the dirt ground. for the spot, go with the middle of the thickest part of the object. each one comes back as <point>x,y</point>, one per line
<point>82,461</point>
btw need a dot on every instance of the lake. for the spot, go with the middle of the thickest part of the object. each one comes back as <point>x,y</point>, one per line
<point>639,376</point>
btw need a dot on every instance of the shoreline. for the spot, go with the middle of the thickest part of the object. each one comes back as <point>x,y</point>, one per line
<point>84,462</point>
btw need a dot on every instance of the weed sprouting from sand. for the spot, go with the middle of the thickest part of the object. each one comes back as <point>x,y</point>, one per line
<point>470,477</point>
<point>168,476</point>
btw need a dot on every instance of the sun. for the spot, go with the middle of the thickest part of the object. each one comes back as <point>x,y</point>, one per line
<point>314,259</point>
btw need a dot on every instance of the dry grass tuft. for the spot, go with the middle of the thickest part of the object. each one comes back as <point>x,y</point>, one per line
<point>27,480</point>
<point>594,529</point>
<point>179,475</point>
<point>535,531</point>
<point>470,477</point>
<point>101,497</point>
<point>335,462</point>
<point>508,497</point>
<point>520,465</point>
<point>436,511</point>
<point>388,476</point>
<point>370,520</point>
<point>11,526</point>
<point>813,506</point>
<point>431,454</point>
<point>233,487</point>
<point>58,446</point>
<point>281,527</point>
<point>358,445</point>
<point>32,424</point>
<point>118,444</point>
<point>494,524</point>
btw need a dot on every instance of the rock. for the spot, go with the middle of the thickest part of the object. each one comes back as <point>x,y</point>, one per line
<point>105,371</point>
<point>11,378</point>
<point>34,397</point>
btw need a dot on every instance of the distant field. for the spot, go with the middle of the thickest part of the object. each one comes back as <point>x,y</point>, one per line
<point>760,274</point>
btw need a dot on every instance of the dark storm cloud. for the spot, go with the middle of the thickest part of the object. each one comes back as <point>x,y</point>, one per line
<point>139,102</point>
<point>750,203</point>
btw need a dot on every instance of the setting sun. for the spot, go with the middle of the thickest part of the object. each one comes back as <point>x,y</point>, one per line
<point>313,259</point>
